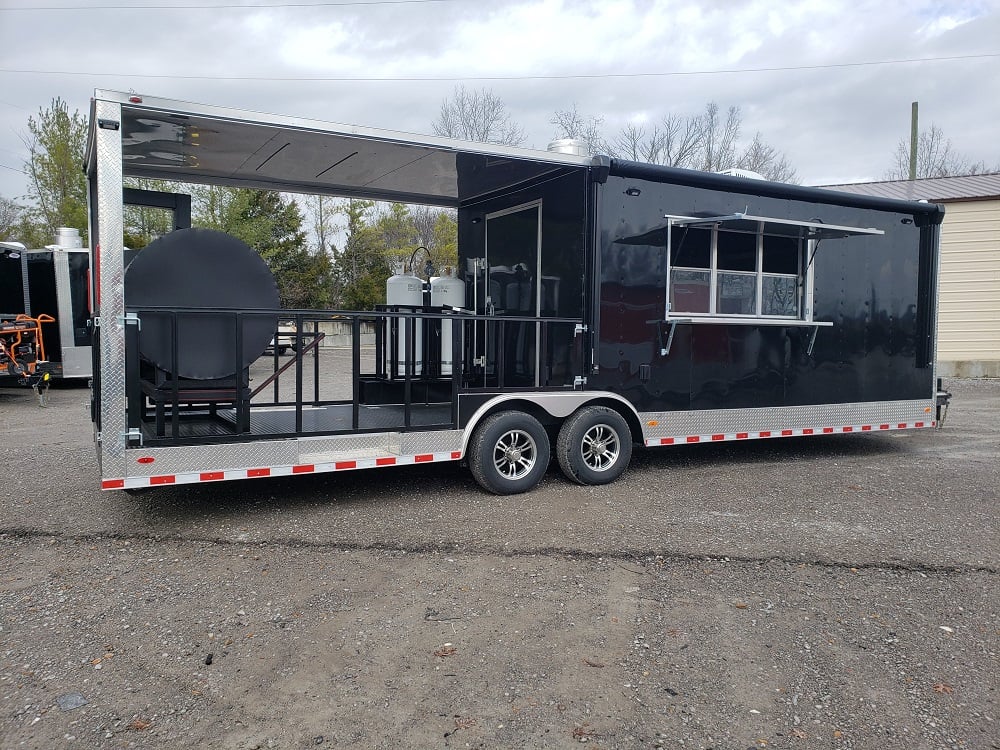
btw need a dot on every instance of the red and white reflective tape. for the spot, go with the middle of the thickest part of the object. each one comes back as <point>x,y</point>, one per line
<point>194,477</point>
<point>799,432</point>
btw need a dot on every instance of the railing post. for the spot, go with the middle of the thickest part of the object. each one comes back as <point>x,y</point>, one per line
<point>410,329</point>
<point>174,378</point>
<point>355,369</point>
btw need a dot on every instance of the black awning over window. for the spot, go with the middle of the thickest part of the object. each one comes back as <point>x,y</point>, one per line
<point>808,230</point>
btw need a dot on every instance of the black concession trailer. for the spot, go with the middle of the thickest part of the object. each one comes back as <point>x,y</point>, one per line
<point>598,304</point>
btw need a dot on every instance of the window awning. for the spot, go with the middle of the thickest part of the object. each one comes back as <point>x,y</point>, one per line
<point>809,230</point>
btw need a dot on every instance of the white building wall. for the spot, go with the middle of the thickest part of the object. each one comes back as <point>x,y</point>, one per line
<point>969,302</point>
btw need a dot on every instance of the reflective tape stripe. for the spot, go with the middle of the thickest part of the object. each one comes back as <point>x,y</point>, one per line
<point>803,431</point>
<point>118,483</point>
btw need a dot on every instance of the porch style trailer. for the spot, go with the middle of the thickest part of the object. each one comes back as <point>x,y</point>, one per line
<point>606,303</point>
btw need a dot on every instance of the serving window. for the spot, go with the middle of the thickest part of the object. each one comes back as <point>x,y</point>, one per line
<point>744,267</point>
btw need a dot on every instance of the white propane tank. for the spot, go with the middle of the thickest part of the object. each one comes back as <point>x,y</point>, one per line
<point>406,290</point>
<point>447,291</point>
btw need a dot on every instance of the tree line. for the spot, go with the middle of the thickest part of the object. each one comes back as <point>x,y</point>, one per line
<point>337,253</point>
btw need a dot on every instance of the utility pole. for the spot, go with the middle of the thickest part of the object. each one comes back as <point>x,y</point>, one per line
<point>913,141</point>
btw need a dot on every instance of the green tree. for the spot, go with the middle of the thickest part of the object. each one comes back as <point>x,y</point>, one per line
<point>396,232</point>
<point>57,186</point>
<point>322,211</point>
<point>272,225</point>
<point>144,224</point>
<point>437,230</point>
<point>304,279</point>
<point>11,216</point>
<point>444,240</point>
<point>362,267</point>
<point>265,220</point>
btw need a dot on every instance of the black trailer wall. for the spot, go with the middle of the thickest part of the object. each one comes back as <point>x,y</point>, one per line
<point>12,284</point>
<point>868,286</point>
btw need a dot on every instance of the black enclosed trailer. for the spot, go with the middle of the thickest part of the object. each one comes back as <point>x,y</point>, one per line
<point>606,303</point>
<point>53,281</point>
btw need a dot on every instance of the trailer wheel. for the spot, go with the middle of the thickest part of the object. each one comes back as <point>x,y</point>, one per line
<point>509,453</point>
<point>594,446</point>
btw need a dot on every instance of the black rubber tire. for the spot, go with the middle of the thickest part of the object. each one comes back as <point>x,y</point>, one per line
<point>509,453</point>
<point>594,445</point>
<point>282,351</point>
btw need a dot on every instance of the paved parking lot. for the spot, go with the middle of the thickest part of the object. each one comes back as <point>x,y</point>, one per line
<point>829,592</point>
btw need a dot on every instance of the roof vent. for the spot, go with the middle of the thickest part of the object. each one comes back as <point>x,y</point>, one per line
<point>750,175</point>
<point>575,146</point>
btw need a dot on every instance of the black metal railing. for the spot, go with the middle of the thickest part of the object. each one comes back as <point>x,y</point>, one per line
<point>389,369</point>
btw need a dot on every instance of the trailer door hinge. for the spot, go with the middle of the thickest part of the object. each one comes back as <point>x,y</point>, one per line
<point>129,318</point>
<point>580,328</point>
<point>579,381</point>
<point>133,434</point>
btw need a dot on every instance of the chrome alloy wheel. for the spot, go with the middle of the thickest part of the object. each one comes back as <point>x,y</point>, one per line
<point>514,454</point>
<point>600,447</point>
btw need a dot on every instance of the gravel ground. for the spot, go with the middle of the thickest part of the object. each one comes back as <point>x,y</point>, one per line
<point>835,592</point>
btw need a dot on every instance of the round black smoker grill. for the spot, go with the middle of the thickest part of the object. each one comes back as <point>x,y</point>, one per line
<point>212,275</point>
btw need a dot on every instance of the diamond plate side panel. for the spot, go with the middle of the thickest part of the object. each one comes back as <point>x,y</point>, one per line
<point>321,449</point>
<point>211,457</point>
<point>711,421</point>
<point>267,453</point>
<point>438,441</point>
<point>110,219</point>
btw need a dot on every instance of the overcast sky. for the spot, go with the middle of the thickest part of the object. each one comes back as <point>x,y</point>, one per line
<point>822,81</point>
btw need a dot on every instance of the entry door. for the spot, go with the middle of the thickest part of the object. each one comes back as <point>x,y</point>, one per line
<point>513,270</point>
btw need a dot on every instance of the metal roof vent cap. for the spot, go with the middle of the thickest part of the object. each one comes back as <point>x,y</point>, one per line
<point>749,174</point>
<point>575,146</point>
<point>68,237</point>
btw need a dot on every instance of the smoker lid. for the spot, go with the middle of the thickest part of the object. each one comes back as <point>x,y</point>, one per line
<point>203,270</point>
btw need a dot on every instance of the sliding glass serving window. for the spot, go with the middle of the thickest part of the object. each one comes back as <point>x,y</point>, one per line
<point>737,272</point>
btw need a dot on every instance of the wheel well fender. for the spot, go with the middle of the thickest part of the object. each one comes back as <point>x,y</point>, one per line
<point>551,409</point>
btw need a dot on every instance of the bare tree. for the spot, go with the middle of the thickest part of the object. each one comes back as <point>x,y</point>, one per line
<point>322,211</point>
<point>708,141</point>
<point>478,116</point>
<point>718,147</point>
<point>766,160</point>
<point>935,158</point>
<point>675,141</point>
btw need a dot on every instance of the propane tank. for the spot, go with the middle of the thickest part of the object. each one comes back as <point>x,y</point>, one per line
<point>407,291</point>
<point>447,291</point>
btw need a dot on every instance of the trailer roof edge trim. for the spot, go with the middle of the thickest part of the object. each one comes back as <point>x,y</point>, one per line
<point>931,213</point>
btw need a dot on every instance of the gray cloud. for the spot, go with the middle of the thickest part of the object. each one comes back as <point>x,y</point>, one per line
<point>834,124</point>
